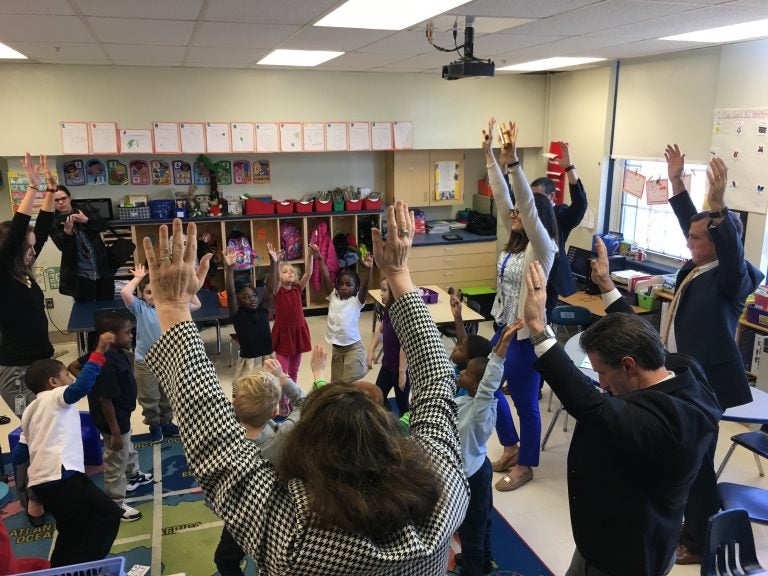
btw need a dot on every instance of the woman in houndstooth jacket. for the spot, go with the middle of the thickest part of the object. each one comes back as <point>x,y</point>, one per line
<point>331,511</point>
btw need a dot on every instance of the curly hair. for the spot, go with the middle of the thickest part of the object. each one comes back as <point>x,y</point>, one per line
<point>361,473</point>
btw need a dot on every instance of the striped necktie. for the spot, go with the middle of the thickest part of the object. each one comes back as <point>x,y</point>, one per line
<point>675,301</point>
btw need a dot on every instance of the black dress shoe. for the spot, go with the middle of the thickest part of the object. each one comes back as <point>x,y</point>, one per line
<point>685,556</point>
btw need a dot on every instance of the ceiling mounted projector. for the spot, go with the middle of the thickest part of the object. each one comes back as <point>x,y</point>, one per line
<point>467,66</point>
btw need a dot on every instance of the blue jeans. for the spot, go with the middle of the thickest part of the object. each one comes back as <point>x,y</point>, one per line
<point>475,531</point>
<point>523,385</point>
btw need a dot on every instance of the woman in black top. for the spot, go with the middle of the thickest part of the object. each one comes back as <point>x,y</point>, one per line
<point>85,271</point>
<point>23,323</point>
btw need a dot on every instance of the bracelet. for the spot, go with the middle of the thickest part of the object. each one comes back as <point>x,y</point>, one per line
<point>319,383</point>
<point>50,190</point>
<point>569,168</point>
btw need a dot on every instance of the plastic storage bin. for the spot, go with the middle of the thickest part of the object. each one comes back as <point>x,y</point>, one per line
<point>757,315</point>
<point>253,206</point>
<point>369,204</point>
<point>114,566</point>
<point>284,206</point>
<point>161,209</point>
<point>646,301</point>
<point>133,213</point>
<point>429,296</point>
<point>323,205</point>
<point>338,205</point>
<point>304,207</point>
<point>353,205</point>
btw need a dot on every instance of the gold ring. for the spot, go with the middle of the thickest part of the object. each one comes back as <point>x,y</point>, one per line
<point>403,232</point>
<point>537,287</point>
<point>164,259</point>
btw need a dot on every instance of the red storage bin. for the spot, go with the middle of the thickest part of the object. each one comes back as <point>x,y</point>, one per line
<point>323,205</point>
<point>353,205</point>
<point>253,206</point>
<point>369,204</point>
<point>303,207</point>
<point>284,206</point>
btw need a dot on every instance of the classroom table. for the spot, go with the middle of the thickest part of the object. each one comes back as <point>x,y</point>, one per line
<point>81,318</point>
<point>593,303</point>
<point>441,310</point>
<point>755,412</point>
<point>575,353</point>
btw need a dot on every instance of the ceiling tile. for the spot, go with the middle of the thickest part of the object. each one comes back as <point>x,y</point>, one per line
<point>52,28</point>
<point>341,39</point>
<point>51,7</point>
<point>88,62</point>
<point>520,8</point>
<point>59,50</point>
<point>359,62</point>
<point>298,12</point>
<point>241,35</point>
<point>150,9</point>
<point>146,53</point>
<point>406,42</point>
<point>134,31</point>
<point>492,44</point>
<point>576,46</point>
<point>640,49</point>
<point>226,57</point>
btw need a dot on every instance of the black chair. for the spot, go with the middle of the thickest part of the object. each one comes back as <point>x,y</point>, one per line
<point>729,546</point>
<point>470,327</point>
<point>756,442</point>
<point>562,317</point>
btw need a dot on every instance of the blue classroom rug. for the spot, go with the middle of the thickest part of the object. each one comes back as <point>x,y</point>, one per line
<point>183,535</point>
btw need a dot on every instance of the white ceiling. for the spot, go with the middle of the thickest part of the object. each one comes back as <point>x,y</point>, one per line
<point>238,33</point>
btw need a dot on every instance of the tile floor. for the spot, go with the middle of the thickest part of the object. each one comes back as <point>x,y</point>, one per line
<point>539,510</point>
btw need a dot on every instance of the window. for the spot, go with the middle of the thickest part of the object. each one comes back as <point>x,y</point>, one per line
<point>655,227</point>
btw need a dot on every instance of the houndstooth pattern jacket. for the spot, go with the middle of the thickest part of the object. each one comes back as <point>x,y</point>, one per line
<point>272,521</point>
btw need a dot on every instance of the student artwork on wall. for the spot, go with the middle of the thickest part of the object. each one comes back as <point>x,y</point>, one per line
<point>242,172</point>
<point>633,183</point>
<point>18,184</point>
<point>192,137</point>
<point>95,173</point>
<point>381,135</point>
<point>657,191</point>
<point>166,137</point>
<point>182,173</point>
<point>266,137</point>
<point>336,136</point>
<point>242,137</point>
<point>117,173</point>
<point>260,172</point>
<point>137,141</point>
<point>403,135</point>
<point>224,172</point>
<point>139,171</point>
<point>359,136</point>
<point>74,173</point>
<point>161,173</point>
<point>103,137</point>
<point>739,137</point>
<point>314,137</point>
<point>217,138</point>
<point>290,137</point>
<point>74,138</point>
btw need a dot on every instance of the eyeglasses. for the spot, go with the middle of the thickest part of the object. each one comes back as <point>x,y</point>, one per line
<point>61,199</point>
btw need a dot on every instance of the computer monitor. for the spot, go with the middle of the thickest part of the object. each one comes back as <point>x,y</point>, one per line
<point>579,259</point>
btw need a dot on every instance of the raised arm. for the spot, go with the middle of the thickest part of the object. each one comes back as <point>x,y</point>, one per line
<point>571,216</point>
<point>307,272</point>
<point>44,221</point>
<point>229,258</point>
<point>458,321</point>
<point>126,292</point>
<point>433,409</point>
<point>365,281</point>
<point>681,202</point>
<point>87,376</point>
<point>274,268</point>
<point>499,187</point>
<point>324,274</point>
<point>17,233</point>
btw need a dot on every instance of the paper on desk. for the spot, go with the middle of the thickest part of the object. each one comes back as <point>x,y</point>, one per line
<point>585,363</point>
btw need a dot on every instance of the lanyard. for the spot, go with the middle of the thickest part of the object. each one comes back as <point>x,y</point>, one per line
<point>504,266</point>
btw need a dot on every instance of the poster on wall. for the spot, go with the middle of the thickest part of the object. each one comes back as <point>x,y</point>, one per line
<point>53,277</point>
<point>74,173</point>
<point>739,137</point>
<point>18,184</point>
<point>95,172</point>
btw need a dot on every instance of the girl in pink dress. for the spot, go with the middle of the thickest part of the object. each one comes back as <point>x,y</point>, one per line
<point>290,333</point>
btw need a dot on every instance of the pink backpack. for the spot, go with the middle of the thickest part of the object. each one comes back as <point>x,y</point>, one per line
<point>290,240</point>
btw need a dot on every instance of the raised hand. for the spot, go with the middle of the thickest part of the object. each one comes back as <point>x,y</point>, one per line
<point>229,257</point>
<point>106,339</point>
<point>717,174</point>
<point>315,250</point>
<point>69,225</point>
<point>50,180</point>
<point>675,167</point>
<point>391,255</point>
<point>139,272</point>
<point>533,308</point>
<point>455,307</point>
<point>31,170</point>
<point>601,274</point>
<point>508,153</point>
<point>487,143</point>
<point>506,337</point>
<point>273,367</point>
<point>367,262</point>
<point>273,254</point>
<point>565,158</point>
<point>318,361</point>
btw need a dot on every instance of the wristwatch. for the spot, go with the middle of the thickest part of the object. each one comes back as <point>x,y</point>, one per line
<point>542,336</point>
<point>721,214</point>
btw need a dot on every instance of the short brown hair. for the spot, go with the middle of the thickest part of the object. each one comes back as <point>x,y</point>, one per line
<point>258,393</point>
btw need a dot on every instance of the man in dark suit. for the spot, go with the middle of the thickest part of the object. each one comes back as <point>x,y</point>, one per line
<point>560,281</point>
<point>636,450</point>
<point>702,319</point>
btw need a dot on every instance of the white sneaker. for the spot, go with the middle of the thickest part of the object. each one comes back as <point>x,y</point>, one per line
<point>139,479</point>
<point>129,514</point>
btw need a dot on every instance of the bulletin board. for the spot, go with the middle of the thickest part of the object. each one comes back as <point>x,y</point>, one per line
<point>740,138</point>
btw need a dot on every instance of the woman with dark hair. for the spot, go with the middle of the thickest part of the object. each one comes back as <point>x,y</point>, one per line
<point>85,272</point>
<point>532,228</point>
<point>352,495</point>
<point>23,323</point>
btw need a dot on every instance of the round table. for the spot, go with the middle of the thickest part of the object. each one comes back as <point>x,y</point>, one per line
<point>575,353</point>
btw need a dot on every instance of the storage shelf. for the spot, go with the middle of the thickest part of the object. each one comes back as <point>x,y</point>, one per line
<point>744,322</point>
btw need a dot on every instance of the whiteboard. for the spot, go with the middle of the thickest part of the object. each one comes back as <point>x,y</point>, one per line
<point>739,137</point>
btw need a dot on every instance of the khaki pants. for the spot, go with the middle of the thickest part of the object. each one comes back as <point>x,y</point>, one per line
<point>119,465</point>
<point>348,363</point>
<point>155,407</point>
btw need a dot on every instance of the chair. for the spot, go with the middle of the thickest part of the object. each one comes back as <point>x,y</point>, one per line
<point>756,442</point>
<point>563,316</point>
<point>471,327</point>
<point>729,546</point>
<point>750,498</point>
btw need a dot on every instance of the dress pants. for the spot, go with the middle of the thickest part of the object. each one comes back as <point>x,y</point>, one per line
<point>475,531</point>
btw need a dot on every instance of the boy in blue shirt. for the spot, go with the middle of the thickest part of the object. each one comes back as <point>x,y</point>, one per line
<point>87,520</point>
<point>477,418</point>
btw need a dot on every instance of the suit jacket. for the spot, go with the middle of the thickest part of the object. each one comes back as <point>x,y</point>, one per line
<point>70,267</point>
<point>568,217</point>
<point>631,463</point>
<point>709,309</point>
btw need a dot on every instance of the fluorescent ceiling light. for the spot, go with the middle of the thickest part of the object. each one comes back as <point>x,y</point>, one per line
<point>6,52</point>
<point>387,15</point>
<point>549,64</point>
<point>721,34</point>
<point>298,57</point>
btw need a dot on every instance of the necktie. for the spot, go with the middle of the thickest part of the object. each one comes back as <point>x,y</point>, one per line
<point>675,301</point>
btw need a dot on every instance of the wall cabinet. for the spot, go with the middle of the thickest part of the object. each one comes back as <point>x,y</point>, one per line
<point>457,265</point>
<point>263,229</point>
<point>412,176</point>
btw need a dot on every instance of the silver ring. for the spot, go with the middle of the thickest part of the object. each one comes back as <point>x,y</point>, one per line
<point>164,259</point>
<point>537,287</point>
<point>403,232</point>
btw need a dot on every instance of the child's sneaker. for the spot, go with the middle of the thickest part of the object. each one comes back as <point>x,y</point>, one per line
<point>156,433</point>
<point>138,479</point>
<point>170,430</point>
<point>129,514</point>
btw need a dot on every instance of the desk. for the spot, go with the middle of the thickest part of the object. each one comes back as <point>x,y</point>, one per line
<point>593,303</point>
<point>441,310</point>
<point>81,317</point>
<point>575,353</point>
<point>756,412</point>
